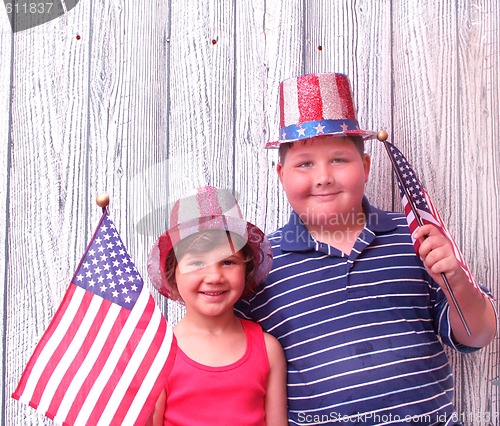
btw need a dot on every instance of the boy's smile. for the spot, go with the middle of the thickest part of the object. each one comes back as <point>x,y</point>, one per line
<point>324,180</point>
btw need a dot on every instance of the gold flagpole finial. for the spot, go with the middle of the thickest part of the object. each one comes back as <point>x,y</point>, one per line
<point>102,200</point>
<point>382,135</point>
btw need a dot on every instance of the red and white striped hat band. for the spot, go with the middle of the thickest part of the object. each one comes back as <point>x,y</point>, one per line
<point>317,104</point>
<point>207,209</point>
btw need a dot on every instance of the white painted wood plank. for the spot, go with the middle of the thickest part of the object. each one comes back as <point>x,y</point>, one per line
<point>201,100</point>
<point>354,38</point>
<point>284,34</point>
<point>128,121</point>
<point>478,188</point>
<point>429,110</point>
<point>268,44</point>
<point>47,223</point>
<point>6,40</point>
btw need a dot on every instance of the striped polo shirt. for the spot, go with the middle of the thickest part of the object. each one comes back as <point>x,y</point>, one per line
<point>360,330</point>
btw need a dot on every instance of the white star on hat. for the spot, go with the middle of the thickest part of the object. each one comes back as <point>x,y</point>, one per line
<point>319,128</point>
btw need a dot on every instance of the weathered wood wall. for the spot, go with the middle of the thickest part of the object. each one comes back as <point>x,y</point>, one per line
<point>147,99</point>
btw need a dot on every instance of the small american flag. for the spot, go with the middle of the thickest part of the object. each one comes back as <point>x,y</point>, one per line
<point>104,357</point>
<point>417,205</point>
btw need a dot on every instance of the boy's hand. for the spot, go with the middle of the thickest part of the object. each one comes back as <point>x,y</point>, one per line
<point>437,254</point>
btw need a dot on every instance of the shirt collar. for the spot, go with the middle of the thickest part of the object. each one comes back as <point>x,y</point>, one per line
<point>296,237</point>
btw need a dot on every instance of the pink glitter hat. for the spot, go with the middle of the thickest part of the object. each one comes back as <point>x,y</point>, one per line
<point>317,104</point>
<point>208,208</point>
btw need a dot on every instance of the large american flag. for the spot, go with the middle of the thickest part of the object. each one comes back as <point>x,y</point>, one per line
<point>104,357</point>
<point>417,205</point>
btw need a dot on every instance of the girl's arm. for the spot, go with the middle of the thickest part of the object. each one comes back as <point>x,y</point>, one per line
<point>276,399</point>
<point>156,417</point>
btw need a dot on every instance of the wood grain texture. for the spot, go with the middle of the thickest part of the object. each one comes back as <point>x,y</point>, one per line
<point>47,188</point>
<point>431,60</point>
<point>478,100</point>
<point>6,40</point>
<point>354,38</point>
<point>156,98</point>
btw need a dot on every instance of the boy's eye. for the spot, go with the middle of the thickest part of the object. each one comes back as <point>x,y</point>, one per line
<point>306,164</point>
<point>339,160</point>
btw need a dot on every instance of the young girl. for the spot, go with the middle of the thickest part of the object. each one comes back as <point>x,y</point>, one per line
<point>226,370</point>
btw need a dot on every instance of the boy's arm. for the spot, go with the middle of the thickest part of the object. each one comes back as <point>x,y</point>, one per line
<point>437,254</point>
<point>276,398</point>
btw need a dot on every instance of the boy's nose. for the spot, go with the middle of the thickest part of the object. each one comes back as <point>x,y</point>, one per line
<point>324,176</point>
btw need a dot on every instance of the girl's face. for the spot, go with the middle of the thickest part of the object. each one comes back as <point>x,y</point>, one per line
<point>211,282</point>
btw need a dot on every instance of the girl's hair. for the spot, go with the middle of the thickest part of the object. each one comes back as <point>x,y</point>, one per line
<point>204,241</point>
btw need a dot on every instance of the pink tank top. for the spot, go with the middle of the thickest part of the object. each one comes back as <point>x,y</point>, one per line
<point>199,395</point>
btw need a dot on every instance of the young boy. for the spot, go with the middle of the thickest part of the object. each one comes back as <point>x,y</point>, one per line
<point>359,315</point>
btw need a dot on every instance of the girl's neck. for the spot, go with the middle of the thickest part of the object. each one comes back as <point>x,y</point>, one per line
<point>212,342</point>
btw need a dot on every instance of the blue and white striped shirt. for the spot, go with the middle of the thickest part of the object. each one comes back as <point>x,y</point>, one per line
<point>360,330</point>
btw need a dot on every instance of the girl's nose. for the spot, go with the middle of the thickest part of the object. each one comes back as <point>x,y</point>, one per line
<point>213,273</point>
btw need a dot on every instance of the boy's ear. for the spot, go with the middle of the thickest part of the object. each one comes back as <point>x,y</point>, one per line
<point>279,170</point>
<point>366,165</point>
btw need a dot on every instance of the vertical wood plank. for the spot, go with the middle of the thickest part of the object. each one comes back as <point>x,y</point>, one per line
<point>354,38</point>
<point>429,109</point>
<point>201,100</point>
<point>6,40</point>
<point>478,94</point>
<point>128,120</point>
<point>268,49</point>
<point>47,230</point>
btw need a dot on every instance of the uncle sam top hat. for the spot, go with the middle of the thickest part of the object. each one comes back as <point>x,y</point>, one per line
<point>317,104</point>
<point>206,209</point>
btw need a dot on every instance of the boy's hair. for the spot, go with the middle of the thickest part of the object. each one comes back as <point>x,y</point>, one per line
<point>204,241</point>
<point>284,147</point>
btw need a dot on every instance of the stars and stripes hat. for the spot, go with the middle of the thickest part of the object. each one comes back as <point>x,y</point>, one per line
<point>317,104</point>
<point>206,209</point>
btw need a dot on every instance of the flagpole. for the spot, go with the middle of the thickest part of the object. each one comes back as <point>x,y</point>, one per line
<point>382,136</point>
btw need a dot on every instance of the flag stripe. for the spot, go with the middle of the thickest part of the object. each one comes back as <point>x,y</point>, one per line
<point>68,349</point>
<point>55,351</point>
<point>134,374</point>
<point>75,359</point>
<point>85,383</point>
<point>123,348</point>
<point>160,368</point>
<point>66,400</point>
<point>36,364</point>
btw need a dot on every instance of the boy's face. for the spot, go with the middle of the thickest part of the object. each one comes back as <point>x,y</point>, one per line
<point>324,180</point>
